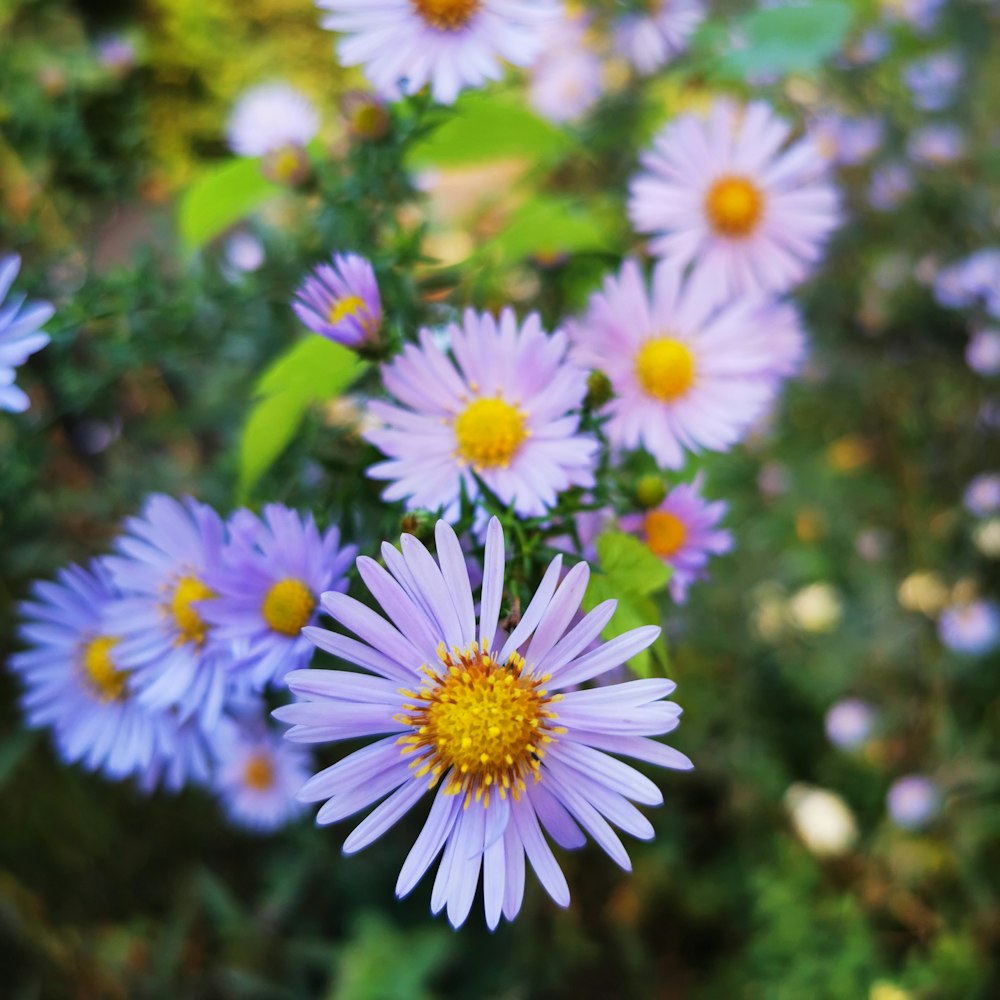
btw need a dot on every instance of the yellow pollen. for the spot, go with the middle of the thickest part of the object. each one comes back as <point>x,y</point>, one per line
<point>103,677</point>
<point>192,627</point>
<point>665,368</point>
<point>665,533</point>
<point>479,724</point>
<point>349,306</point>
<point>259,772</point>
<point>734,206</point>
<point>288,606</point>
<point>446,15</point>
<point>489,433</point>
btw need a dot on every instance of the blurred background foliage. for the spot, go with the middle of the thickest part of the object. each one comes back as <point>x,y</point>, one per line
<point>162,350</point>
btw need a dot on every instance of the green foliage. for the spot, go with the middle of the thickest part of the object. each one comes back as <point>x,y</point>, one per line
<point>221,197</point>
<point>315,370</point>
<point>631,575</point>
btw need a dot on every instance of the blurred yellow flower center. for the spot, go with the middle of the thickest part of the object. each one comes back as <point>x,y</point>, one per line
<point>665,533</point>
<point>259,772</point>
<point>345,308</point>
<point>286,163</point>
<point>104,678</point>
<point>665,368</point>
<point>447,15</point>
<point>190,624</point>
<point>489,433</point>
<point>288,606</point>
<point>734,206</point>
<point>480,724</point>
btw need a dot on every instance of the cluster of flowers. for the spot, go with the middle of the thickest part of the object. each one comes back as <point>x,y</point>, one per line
<point>152,663</point>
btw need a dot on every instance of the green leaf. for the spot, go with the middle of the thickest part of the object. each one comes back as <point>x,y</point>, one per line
<point>788,39</point>
<point>629,564</point>
<point>552,226</point>
<point>314,370</point>
<point>221,198</point>
<point>487,127</point>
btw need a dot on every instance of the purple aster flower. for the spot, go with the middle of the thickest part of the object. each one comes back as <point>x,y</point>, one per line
<point>268,588</point>
<point>258,776</point>
<point>164,559</point>
<point>891,184</point>
<point>723,195</point>
<point>688,375</point>
<point>490,722</point>
<point>933,80</point>
<point>848,141</point>
<point>504,408</point>
<point>342,302</point>
<point>652,40</point>
<point>982,354</point>
<point>972,280</point>
<point>116,53</point>
<point>972,628</point>
<point>914,801</point>
<point>922,15</point>
<point>937,144</point>
<point>405,45</point>
<point>20,335</point>
<point>849,723</point>
<point>566,79</point>
<point>270,118</point>
<point>76,683</point>
<point>982,496</point>
<point>683,531</point>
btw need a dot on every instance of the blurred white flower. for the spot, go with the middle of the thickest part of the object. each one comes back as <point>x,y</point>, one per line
<point>816,608</point>
<point>822,819</point>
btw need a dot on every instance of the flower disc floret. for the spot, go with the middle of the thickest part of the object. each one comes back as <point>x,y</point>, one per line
<point>665,368</point>
<point>665,533</point>
<point>190,624</point>
<point>258,772</point>
<point>103,677</point>
<point>288,606</point>
<point>480,723</point>
<point>734,206</point>
<point>490,433</point>
<point>447,15</point>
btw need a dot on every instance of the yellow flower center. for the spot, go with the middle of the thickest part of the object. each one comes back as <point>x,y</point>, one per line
<point>665,533</point>
<point>103,677</point>
<point>480,724</point>
<point>346,307</point>
<point>259,772</point>
<point>288,606</point>
<point>286,164</point>
<point>734,206</point>
<point>446,15</point>
<point>665,368</point>
<point>489,433</point>
<point>190,624</point>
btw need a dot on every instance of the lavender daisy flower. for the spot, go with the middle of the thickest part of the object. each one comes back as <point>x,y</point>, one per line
<point>20,335</point>
<point>934,79</point>
<point>700,385</point>
<point>937,144</point>
<point>77,684</point>
<point>913,801</point>
<point>891,184</point>
<point>724,196</point>
<point>504,409</point>
<point>258,775</point>
<point>982,495</point>
<point>404,45</point>
<point>275,121</point>
<point>268,588</point>
<point>972,280</point>
<point>488,721</point>
<point>972,628</point>
<point>848,141</point>
<point>849,723</point>
<point>652,40</point>
<point>342,302</point>
<point>683,531</point>
<point>165,557</point>
<point>566,79</point>
<point>982,353</point>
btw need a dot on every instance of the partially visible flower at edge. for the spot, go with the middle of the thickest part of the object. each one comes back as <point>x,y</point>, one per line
<point>20,334</point>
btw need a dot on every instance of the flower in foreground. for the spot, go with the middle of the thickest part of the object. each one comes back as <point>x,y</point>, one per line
<point>163,561</point>
<point>687,375</point>
<point>77,684</point>
<point>504,409</point>
<point>257,776</point>
<point>727,195</point>
<point>20,335</point>
<point>268,585</point>
<point>651,40</point>
<point>341,301</point>
<point>404,45</point>
<point>683,531</point>
<point>486,723</point>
